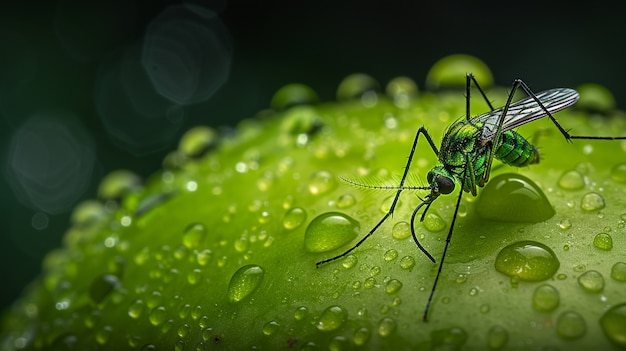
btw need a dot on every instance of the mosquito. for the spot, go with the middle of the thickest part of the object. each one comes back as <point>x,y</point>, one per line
<point>467,151</point>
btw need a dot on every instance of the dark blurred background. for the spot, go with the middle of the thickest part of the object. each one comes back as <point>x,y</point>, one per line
<point>87,87</point>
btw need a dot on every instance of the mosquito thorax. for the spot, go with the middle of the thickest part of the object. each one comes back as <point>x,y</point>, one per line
<point>440,180</point>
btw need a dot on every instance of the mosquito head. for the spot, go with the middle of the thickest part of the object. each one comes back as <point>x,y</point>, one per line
<point>440,180</point>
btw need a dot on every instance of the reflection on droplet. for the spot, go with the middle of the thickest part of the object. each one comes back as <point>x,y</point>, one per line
<point>244,282</point>
<point>513,198</point>
<point>527,260</point>
<point>613,324</point>
<point>329,231</point>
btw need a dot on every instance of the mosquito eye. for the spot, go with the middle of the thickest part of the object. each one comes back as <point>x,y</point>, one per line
<point>445,185</point>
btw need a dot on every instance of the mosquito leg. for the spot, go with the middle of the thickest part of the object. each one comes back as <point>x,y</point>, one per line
<point>389,213</point>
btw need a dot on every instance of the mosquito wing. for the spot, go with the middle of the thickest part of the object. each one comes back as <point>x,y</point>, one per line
<point>526,110</point>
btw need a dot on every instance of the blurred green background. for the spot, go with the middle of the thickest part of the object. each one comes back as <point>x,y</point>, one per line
<point>87,87</point>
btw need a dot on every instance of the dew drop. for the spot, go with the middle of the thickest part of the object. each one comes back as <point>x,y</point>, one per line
<point>321,182</point>
<point>197,141</point>
<point>592,202</point>
<point>527,260</point>
<point>332,318</point>
<point>346,201</point>
<point>387,326</point>
<point>497,338</point>
<point>613,324</point>
<point>402,90</point>
<point>618,173</point>
<point>390,255</point>
<point>565,224</point>
<point>117,184</point>
<point>545,298</point>
<point>513,198</point>
<point>356,86</point>
<point>361,336</point>
<point>158,315</point>
<point>300,313</point>
<point>618,271</point>
<point>349,262</point>
<point>433,222</point>
<point>603,241</point>
<point>136,309</point>
<point>193,235</point>
<point>294,218</point>
<point>407,263</point>
<point>293,94</point>
<point>329,231</point>
<point>401,230</point>
<point>102,335</point>
<point>570,325</point>
<point>393,286</point>
<point>244,282</point>
<point>270,328</point>
<point>591,281</point>
<point>571,180</point>
<point>449,339</point>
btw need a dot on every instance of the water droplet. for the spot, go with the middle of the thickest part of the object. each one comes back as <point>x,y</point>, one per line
<point>194,276</point>
<point>193,235</point>
<point>401,230</point>
<point>332,318</point>
<point>293,94</point>
<point>321,182</point>
<point>102,286</point>
<point>393,286</point>
<point>369,283</point>
<point>197,141</point>
<point>183,330</point>
<point>449,72</point>
<point>356,86</point>
<point>613,324</point>
<point>497,338</point>
<point>513,198</point>
<point>158,315</point>
<point>136,309</point>
<point>448,339</point>
<point>434,223</point>
<point>592,202</point>
<point>407,263</point>
<point>270,327</point>
<point>117,184</point>
<point>244,282</point>
<point>294,218</point>
<point>591,281</point>
<point>571,180</point>
<point>402,90</point>
<point>546,298</point>
<point>387,326</point>
<point>361,336</point>
<point>329,231</point>
<point>618,173</point>
<point>603,241</point>
<point>570,325</point>
<point>102,335</point>
<point>350,261</point>
<point>565,224</point>
<point>339,343</point>
<point>618,271</point>
<point>300,313</point>
<point>527,260</point>
<point>346,201</point>
<point>390,255</point>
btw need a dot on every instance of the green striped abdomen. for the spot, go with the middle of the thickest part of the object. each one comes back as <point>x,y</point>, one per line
<point>514,150</point>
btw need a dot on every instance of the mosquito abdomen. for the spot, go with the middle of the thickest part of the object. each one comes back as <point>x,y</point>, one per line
<point>515,150</point>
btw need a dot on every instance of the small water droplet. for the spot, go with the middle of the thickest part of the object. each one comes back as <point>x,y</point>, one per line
<point>194,276</point>
<point>571,180</point>
<point>618,173</point>
<point>527,260</point>
<point>203,257</point>
<point>449,339</point>
<point>361,336</point>
<point>300,313</point>
<point>270,328</point>
<point>497,338</point>
<point>402,90</point>
<point>103,334</point>
<point>293,94</point>
<point>613,324</point>
<point>350,261</point>
<point>546,298</point>
<point>407,263</point>
<point>570,325</point>
<point>136,309</point>
<point>401,230</point>
<point>321,182</point>
<point>346,201</point>
<point>393,286</point>
<point>592,202</point>
<point>390,255</point>
<point>356,86</point>
<point>330,231</point>
<point>117,184</point>
<point>193,235</point>
<point>603,241</point>
<point>433,222</point>
<point>158,315</point>
<point>197,141</point>
<point>332,318</point>
<point>294,218</point>
<point>387,326</point>
<point>591,281</point>
<point>618,271</point>
<point>565,224</point>
<point>513,198</point>
<point>244,282</point>
<point>183,330</point>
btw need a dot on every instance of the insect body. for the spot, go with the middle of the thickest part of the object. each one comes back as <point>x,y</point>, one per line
<point>467,151</point>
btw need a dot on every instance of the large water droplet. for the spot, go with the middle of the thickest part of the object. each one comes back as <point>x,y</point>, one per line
<point>528,260</point>
<point>332,318</point>
<point>329,231</point>
<point>618,271</point>
<point>244,282</point>
<point>592,202</point>
<point>613,324</point>
<point>450,71</point>
<point>591,281</point>
<point>570,325</point>
<point>401,230</point>
<point>513,198</point>
<point>603,241</point>
<point>571,180</point>
<point>294,218</point>
<point>545,298</point>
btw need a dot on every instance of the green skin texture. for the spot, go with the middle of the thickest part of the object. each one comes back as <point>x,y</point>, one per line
<point>243,213</point>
